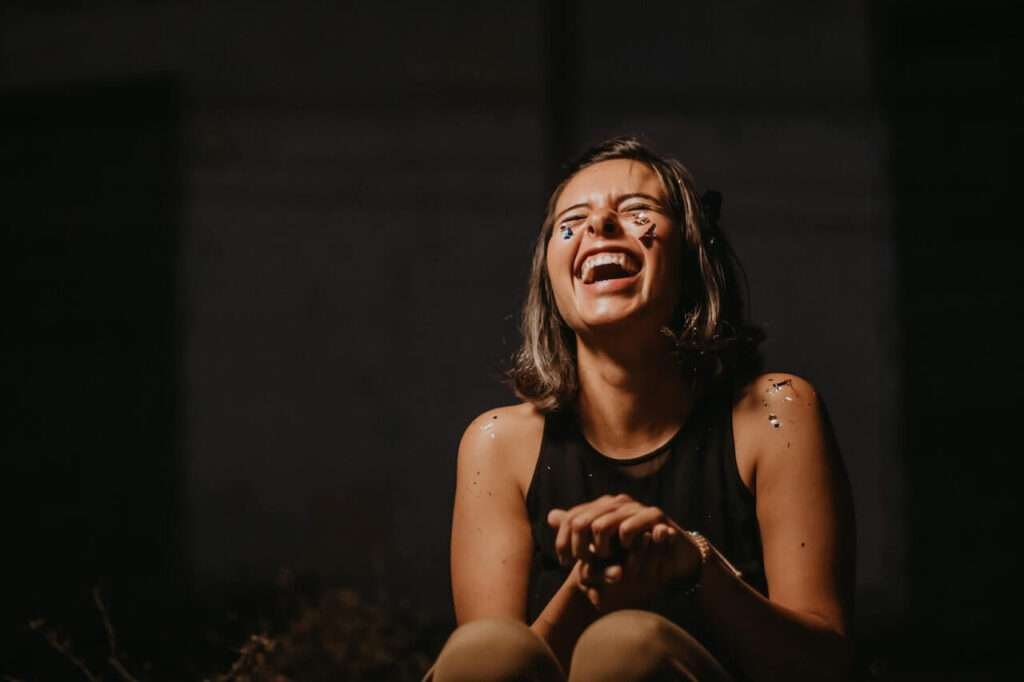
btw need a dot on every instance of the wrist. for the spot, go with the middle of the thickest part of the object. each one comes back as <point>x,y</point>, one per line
<point>689,562</point>
<point>698,552</point>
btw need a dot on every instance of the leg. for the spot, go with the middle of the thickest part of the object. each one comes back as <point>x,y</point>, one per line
<point>640,645</point>
<point>495,650</point>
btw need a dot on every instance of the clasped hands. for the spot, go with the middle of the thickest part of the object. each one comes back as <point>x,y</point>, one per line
<point>625,552</point>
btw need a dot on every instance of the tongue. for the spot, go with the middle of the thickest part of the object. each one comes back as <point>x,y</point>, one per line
<point>608,271</point>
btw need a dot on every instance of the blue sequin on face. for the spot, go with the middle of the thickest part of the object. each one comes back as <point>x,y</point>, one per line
<point>566,232</point>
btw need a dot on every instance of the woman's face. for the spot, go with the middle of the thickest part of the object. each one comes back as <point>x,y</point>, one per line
<point>613,254</point>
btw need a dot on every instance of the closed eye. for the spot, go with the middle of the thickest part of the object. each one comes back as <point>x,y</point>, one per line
<point>633,208</point>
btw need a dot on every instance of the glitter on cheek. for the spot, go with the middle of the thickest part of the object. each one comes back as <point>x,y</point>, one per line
<point>774,421</point>
<point>649,236</point>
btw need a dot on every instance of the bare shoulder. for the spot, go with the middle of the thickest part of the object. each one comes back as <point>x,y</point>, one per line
<point>505,440</point>
<point>775,389</point>
<point>804,506</point>
<point>775,412</point>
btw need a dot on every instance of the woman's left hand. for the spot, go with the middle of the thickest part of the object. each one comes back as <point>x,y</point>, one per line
<point>627,551</point>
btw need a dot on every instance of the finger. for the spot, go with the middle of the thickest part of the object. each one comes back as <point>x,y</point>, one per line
<point>555,517</point>
<point>662,533</point>
<point>605,528</point>
<point>640,522</point>
<point>672,536</point>
<point>577,574</point>
<point>613,574</point>
<point>563,539</point>
<point>579,536</point>
<point>582,535</point>
<point>590,574</point>
<point>564,543</point>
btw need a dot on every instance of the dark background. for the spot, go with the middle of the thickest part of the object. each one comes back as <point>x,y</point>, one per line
<point>263,262</point>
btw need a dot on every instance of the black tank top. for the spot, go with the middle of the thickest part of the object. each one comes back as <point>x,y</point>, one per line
<point>696,483</point>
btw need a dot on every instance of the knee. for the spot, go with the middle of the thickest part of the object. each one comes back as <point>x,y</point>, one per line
<point>634,645</point>
<point>628,629</point>
<point>495,649</point>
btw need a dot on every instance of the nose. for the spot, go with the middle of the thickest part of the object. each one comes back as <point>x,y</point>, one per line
<point>604,223</point>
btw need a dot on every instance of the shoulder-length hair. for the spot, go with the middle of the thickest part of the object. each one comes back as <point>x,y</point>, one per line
<point>713,341</point>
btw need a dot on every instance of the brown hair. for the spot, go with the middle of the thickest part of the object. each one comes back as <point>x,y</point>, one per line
<point>712,338</point>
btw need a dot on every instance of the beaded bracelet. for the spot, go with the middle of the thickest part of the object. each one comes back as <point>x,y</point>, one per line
<point>706,550</point>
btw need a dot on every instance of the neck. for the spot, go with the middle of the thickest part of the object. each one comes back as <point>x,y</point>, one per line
<point>631,400</point>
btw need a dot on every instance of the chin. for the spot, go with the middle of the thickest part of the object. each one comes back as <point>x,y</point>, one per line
<point>627,316</point>
<point>611,319</point>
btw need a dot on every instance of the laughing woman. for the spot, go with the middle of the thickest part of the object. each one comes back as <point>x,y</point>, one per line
<point>655,509</point>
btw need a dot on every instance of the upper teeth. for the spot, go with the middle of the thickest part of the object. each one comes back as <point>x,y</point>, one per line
<point>617,257</point>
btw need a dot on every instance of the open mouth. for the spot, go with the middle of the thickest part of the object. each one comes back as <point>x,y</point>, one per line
<point>608,265</point>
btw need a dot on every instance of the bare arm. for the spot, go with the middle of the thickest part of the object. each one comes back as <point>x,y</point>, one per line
<point>492,544</point>
<point>491,541</point>
<point>806,519</point>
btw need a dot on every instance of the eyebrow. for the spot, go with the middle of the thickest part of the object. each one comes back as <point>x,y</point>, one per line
<point>640,195</point>
<point>624,197</point>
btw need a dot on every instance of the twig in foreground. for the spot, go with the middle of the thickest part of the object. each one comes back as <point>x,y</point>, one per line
<point>54,641</point>
<point>112,659</point>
